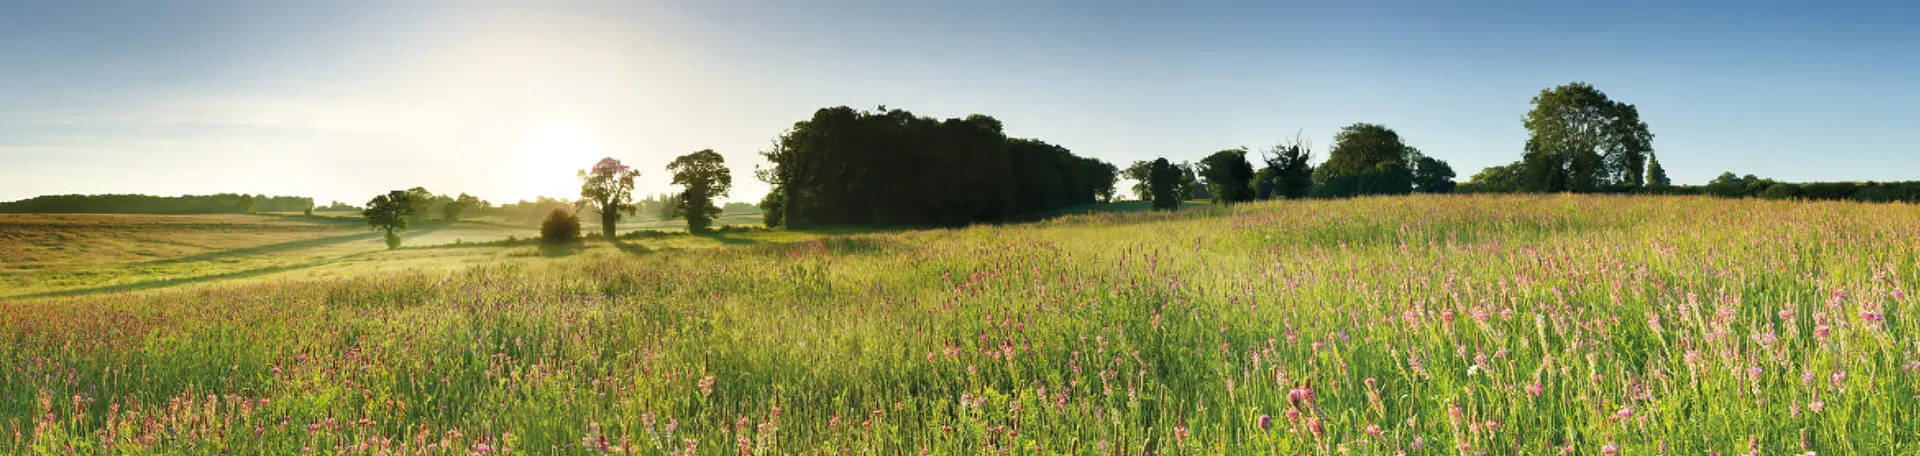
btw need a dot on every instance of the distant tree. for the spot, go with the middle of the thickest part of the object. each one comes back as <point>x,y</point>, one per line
<point>1228,175</point>
<point>1164,184</point>
<point>307,211</point>
<point>1104,177</point>
<point>1288,173</point>
<point>452,209</point>
<point>390,212</point>
<point>1656,175</point>
<point>704,176</point>
<point>772,209</point>
<point>1581,141</point>
<point>420,204</point>
<point>245,205</point>
<point>607,188</point>
<point>1431,175</point>
<point>1366,159</point>
<point>1189,182</point>
<point>669,207</point>
<point>1495,179</point>
<point>561,227</point>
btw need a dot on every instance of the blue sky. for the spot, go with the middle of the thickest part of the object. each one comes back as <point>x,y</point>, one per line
<point>342,100</point>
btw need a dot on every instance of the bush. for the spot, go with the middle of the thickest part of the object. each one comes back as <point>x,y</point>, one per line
<point>561,227</point>
<point>393,240</point>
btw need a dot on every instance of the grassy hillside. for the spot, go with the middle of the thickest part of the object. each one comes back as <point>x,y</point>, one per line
<point>1417,325</point>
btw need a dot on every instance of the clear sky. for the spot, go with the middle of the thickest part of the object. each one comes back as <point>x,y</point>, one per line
<point>342,100</point>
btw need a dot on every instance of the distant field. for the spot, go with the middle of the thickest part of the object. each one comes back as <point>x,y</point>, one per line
<point>93,253</point>
<point>1494,324</point>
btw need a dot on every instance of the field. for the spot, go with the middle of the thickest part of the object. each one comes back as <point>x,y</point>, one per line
<point>1513,324</point>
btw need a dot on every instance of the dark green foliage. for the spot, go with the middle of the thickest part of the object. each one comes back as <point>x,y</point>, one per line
<point>890,167</point>
<point>1495,179</point>
<point>1141,173</point>
<point>607,188</point>
<point>704,176</point>
<point>1729,185</point>
<point>1163,182</point>
<point>1288,172</point>
<point>1656,175</point>
<point>1431,175</point>
<point>1189,183</point>
<point>1229,177</point>
<point>771,208</point>
<point>1581,141</point>
<point>1366,159</point>
<point>561,227</point>
<point>224,203</point>
<point>390,212</point>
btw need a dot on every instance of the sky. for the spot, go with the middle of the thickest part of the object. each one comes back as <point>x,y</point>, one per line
<point>506,100</point>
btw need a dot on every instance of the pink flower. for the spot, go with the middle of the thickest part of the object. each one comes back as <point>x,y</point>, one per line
<point>1265,422</point>
<point>1816,406</point>
<point>1300,394</point>
<point>1869,315</point>
<point>1610,449</point>
<point>1838,377</point>
<point>482,448</point>
<point>1624,413</point>
<point>1374,430</point>
<point>1753,373</point>
<point>1313,424</point>
<point>1535,389</point>
<point>706,386</point>
<point>1899,295</point>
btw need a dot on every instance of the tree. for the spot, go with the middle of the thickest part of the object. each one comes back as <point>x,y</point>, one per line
<point>1141,173</point>
<point>561,227</point>
<point>1189,183</point>
<point>463,203</point>
<point>1164,184</point>
<point>1656,175</point>
<point>1105,176</point>
<point>390,212</point>
<point>1366,159</point>
<point>1431,175</point>
<point>1229,176</point>
<point>1288,173</point>
<point>1495,179</point>
<point>704,176</point>
<point>420,204</point>
<point>607,188</point>
<point>1581,141</point>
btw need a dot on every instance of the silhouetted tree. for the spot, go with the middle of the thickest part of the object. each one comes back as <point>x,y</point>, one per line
<point>390,212</point>
<point>1288,173</point>
<point>887,167</point>
<point>1189,183</point>
<point>460,205</point>
<point>1229,176</point>
<point>1141,173</point>
<point>607,188</point>
<point>1431,175</point>
<point>560,227</point>
<point>1366,159</point>
<point>704,176</point>
<point>1164,184</point>
<point>1581,141</point>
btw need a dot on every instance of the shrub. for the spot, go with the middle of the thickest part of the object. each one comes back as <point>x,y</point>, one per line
<point>393,240</point>
<point>561,227</point>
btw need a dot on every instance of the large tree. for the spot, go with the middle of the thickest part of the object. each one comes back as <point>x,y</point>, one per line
<point>1495,179</point>
<point>607,188</point>
<point>1656,175</point>
<point>1141,173</point>
<point>1431,175</point>
<point>704,176</point>
<point>1163,182</point>
<point>390,213</point>
<point>1288,172</point>
<point>1228,176</point>
<point>1366,159</point>
<point>1581,141</point>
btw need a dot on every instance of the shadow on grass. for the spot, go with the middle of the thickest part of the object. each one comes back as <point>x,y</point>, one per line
<point>723,238</point>
<point>162,283</point>
<point>560,250</point>
<point>286,246</point>
<point>632,248</point>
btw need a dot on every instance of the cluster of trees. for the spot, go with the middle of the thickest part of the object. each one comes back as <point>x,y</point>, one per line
<point>1732,186</point>
<point>891,167</point>
<point>1579,140</point>
<point>1366,159</point>
<point>223,203</point>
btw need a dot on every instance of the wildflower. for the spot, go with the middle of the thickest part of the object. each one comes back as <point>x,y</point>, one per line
<point>1374,430</point>
<point>706,386</point>
<point>1180,432</point>
<point>1313,424</point>
<point>1265,422</point>
<point>1610,449</point>
<point>1753,373</point>
<point>1300,394</point>
<point>1838,377</point>
<point>1816,406</point>
<point>1872,316</point>
<point>1535,389</point>
<point>482,448</point>
<point>1624,413</point>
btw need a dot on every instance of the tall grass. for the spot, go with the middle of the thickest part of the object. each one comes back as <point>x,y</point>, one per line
<point>1416,325</point>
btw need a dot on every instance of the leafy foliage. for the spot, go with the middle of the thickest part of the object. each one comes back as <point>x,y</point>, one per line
<point>1163,182</point>
<point>561,227</point>
<point>1581,141</point>
<point>704,176</point>
<point>1367,159</point>
<point>390,212</point>
<point>1228,175</point>
<point>607,188</point>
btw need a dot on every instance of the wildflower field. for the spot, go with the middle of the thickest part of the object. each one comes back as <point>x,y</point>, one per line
<point>1546,324</point>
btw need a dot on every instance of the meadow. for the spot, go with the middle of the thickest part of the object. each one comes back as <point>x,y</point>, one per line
<point>1509,324</point>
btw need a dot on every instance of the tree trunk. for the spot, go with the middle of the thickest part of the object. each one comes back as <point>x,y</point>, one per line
<point>607,217</point>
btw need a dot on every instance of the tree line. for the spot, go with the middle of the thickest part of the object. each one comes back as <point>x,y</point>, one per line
<point>222,203</point>
<point>1366,159</point>
<point>890,167</point>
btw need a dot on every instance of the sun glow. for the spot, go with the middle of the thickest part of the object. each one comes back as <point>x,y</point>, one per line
<point>550,155</point>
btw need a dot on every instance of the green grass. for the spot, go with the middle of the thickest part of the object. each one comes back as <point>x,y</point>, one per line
<point>1423,325</point>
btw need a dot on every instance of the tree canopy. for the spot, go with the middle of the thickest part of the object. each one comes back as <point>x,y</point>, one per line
<point>1163,182</point>
<point>608,188</point>
<point>703,176</point>
<point>1367,159</point>
<point>890,167</point>
<point>1229,178</point>
<point>390,213</point>
<point>1581,141</point>
<point>1288,172</point>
